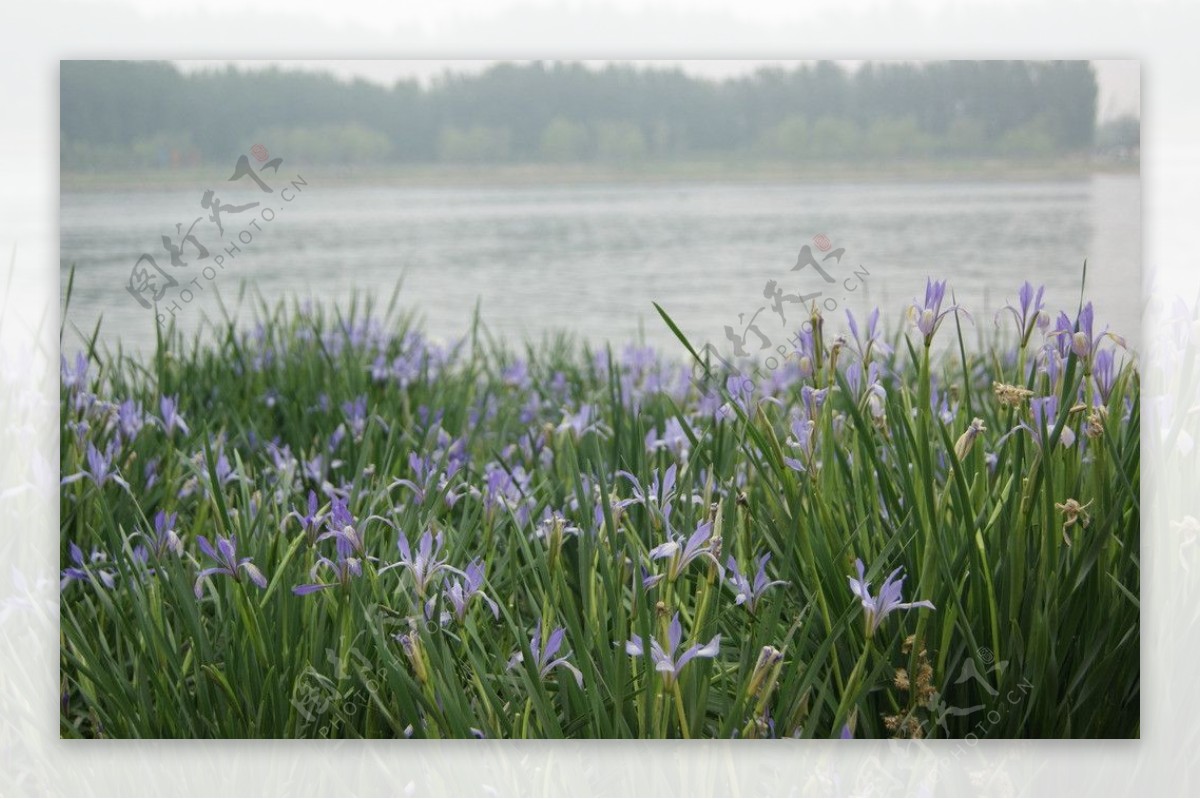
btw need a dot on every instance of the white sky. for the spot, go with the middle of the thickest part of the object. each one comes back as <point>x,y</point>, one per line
<point>1119,81</point>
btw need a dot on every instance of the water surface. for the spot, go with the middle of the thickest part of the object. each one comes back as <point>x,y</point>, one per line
<point>591,259</point>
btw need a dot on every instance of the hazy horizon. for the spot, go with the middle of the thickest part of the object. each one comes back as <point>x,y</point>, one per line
<point>1119,81</point>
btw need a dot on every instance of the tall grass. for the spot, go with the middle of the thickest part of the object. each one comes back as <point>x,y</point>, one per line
<point>595,497</point>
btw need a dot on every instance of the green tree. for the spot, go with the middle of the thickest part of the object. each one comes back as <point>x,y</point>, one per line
<point>788,139</point>
<point>326,144</point>
<point>835,137</point>
<point>564,140</point>
<point>890,137</point>
<point>476,144</point>
<point>1037,137</point>
<point>620,141</point>
<point>966,136</point>
<point>124,113</point>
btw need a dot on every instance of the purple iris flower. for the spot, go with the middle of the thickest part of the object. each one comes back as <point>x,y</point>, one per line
<point>422,469</point>
<point>532,407</point>
<point>747,591</point>
<point>889,598</point>
<point>171,419</point>
<point>673,439</point>
<point>141,562</point>
<point>638,360</point>
<point>1028,314</point>
<point>533,448</point>
<point>315,468</point>
<point>1081,337</point>
<point>929,315</point>
<point>583,421</point>
<point>1057,344</point>
<point>506,489</point>
<point>872,341</point>
<point>424,564</point>
<point>429,419</point>
<point>224,470</point>
<point>228,563</point>
<point>699,544</point>
<point>780,382</point>
<point>803,439</point>
<point>554,523</point>
<point>344,569</point>
<point>940,405</point>
<point>516,375</point>
<point>1084,342</point>
<point>356,416</point>
<point>665,661</point>
<point>83,571</point>
<point>311,521</point>
<point>202,482</point>
<point>876,394</point>
<point>453,451</point>
<point>425,476</point>
<point>130,419</point>
<point>499,487</point>
<point>1044,411</point>
<point>343,528</point>
<point>805,350</point>
<point>100,469</point>
<point>166,539</point>
<point>873,395</point>
<point>81,430</point>
<point>381,371</point>
<point>543,657</point>
<point>150,472</point>
<point>460,592</point>
<point>813,399</point>
<point>74,377</point>
<point>740,392</point>
<point>404,369</point>
<point>1050,361</point>
<point>660,492</point>
<point>1104,373</point>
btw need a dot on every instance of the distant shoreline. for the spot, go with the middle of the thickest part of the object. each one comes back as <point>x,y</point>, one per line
<point>529,174</point>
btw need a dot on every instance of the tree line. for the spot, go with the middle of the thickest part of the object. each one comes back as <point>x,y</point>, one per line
<point>125,113</point>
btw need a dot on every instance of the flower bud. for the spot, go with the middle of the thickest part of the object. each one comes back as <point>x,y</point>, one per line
<point>1080,344</point>
<point>925,324</point>
<point>411,644</point>
<point>765,672</point>
<point>963,446</point>
<point>554,536</point>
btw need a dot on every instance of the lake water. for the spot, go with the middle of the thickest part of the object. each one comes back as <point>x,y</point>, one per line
<point>591,259</point>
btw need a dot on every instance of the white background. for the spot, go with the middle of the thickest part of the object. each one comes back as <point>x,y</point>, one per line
<point>34,36</point>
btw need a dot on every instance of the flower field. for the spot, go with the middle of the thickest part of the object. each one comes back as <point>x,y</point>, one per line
<point>323,524</point>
